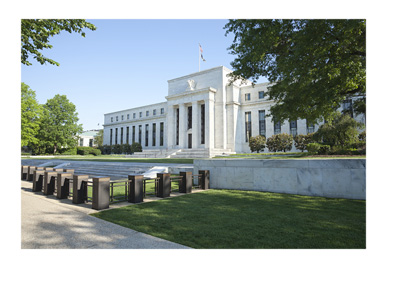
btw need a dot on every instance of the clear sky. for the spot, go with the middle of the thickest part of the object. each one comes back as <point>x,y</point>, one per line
<point>125,63</point>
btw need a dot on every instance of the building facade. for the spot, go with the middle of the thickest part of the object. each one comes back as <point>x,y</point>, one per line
<point>86,139</point>
<point>204,112</point>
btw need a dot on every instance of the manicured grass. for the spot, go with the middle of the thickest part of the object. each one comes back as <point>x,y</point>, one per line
<point>243,219</point>
<point>116,158</point>
<point>291,155</point>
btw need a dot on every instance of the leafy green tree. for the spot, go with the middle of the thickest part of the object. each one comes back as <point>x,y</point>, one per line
<point>59,126</point>
<point>30,116</point>
<point>339,130</point>
<point>35,35</point>
<point>257,143</point>
<point>313,64</point>
<point>98,139</point>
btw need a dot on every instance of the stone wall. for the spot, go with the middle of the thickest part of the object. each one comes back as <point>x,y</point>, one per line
<point>332,178</point>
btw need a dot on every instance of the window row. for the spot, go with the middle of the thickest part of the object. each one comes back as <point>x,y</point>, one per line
<point>247,96</point>
<point>277,126</point>
<point>129,139</point>
<point>140,115</point>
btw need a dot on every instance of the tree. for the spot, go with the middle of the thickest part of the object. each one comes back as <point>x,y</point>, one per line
<point>98,139</point>
<point>339,130</point>
<point>257,143</point>
<point>313,64</point>
<point>30,116</point>
<point>59,127</point>
<point>35,35</point>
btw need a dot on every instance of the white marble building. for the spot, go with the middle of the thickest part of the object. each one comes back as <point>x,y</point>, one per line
<point>203,116</point>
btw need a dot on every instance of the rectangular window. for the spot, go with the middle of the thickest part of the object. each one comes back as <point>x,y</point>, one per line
<point>162,110</point>
<point>348,107</point>
<point>154,111</point>
<point>154,134</point>
<point>127,134</point>
<point>189,119</point>
<point>277,127</point>
<point>248,125</point>
<point>116,135</point>
<point>247,97</point>
<point>140,134</point>
<point>140,114</point>
<point>111,137</point>
<point>133,134</point>
<point>147,113</point>
<point>203,123</point>
<point>310,127</point>
<point>81,142</point>
<point>122,117</point>
<point>127,116</point>
<point>122,135</point>
<point>293,128</point>
<point>90,142</point>
<point>177,126</point>
<point>134,116</point>
<point>116,118</point>
<point>161,133</point>
<point>112,119</point>
<point>261,122</point>
<point>147,135</point>
<point>261,94</point>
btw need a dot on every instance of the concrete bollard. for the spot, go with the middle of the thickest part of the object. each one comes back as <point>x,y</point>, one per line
<point>63,185</point>
<point>30,172</point>
<point>24,172</point>
<point>205,179</point>
<point>164,185</point>
<point>79,193</point>
<point>185,185</point>
<point>38,180</point>
<point>135,194</point>
<point>101,193</point>
<point>49,182</point>
<point>69,171</point>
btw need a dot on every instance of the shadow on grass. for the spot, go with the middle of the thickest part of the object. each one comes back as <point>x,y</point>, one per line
<point>244,219</point>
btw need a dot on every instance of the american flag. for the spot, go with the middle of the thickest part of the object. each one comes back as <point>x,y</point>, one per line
<point>201,50</point>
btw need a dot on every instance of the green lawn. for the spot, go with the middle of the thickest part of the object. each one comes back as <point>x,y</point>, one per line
<point>290,155</point>
<point>243,219</point>
<point>116,158</point>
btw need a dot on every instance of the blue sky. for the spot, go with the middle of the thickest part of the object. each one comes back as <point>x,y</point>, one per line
<point>125,63</point>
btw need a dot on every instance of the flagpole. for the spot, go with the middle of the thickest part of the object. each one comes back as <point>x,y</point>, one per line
<point>199,57</point>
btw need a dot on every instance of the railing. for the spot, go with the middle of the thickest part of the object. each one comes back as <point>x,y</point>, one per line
<point>147,191</point>
<point>198,185</point>
<point>119,190</point>
<point>88,195</point>
<point>175,179</point>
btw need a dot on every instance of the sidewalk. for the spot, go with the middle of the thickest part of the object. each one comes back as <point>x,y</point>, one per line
<point>47,222</point>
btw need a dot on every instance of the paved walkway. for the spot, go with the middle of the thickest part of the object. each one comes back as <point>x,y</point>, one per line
<point>47,222</point>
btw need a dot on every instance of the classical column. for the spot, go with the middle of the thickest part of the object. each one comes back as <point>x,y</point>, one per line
<point>169,128</point>
<point>182,126</point>
<point>195,125</point>
<point>209,132</point>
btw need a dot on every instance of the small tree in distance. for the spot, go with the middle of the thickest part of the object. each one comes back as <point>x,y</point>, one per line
<point>257,143</point>
<point>280,142</point>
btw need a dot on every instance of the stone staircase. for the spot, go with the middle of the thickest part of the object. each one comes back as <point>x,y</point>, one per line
<point>201,153</point>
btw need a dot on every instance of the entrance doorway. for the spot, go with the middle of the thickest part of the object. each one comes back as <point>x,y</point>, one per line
<point>190,141</point>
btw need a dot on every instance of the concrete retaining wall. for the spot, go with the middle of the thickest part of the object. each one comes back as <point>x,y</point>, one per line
<point>333,178</point>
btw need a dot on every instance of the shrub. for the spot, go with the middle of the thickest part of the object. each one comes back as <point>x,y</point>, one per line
<point>105,149</point>
<point>136,147</point>
<point>280,142</point>
<point>301,141</point>
<point>324,150</point>
<point>313,147</point>
<point>126,148</point>
<point>257,143</point>
<point>116,149</point>
<point>88,150</point>
<point>72,151</point>
<point>362,136</point>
